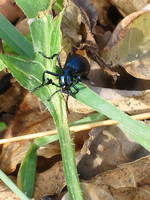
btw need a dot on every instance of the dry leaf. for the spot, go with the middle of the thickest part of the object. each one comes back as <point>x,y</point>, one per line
<point>29,119</point>
<point>88,12</point>
<point>127,182</point>
<point>129,45</point>
<point>10,10</point>
<point>50,182</point>
<point>105,150</point>
<point>127,7</point>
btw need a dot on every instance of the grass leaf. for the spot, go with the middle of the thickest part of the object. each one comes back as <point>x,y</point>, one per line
<point>15,39</point>
<point>137,130</point>
<point>12,186</point>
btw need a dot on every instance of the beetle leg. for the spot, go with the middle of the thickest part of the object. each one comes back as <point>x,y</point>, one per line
<point>77,90</point>
<point>53,56</point>
<point>48,57</point>
<point>46,81</point>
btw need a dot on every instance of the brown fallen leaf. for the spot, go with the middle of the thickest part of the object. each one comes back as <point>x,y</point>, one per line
<point>10,10</point>
<point>107,148</point>
<point>50,182</point>
<point>71,27</point>
<point>129,44</point>
<point>32,118</point>
<point>127,7</point>
<point>29,118</point>
<point>127,182</point>
<point>89,13</point>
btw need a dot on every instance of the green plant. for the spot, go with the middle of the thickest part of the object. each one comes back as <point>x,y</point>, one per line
<point>28,68</point>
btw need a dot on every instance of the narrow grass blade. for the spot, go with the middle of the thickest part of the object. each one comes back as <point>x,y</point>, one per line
<point>27,171</point>
<point>3,126</point>
<point>137,130</point>
<point>12,186</point>
<point>15,39</point>
<point>89,119</point>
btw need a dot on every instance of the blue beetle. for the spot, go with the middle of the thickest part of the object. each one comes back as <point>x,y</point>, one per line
<point>76,67</point>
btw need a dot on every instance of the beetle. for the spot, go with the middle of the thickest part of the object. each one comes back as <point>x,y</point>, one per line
<point>76,67</point>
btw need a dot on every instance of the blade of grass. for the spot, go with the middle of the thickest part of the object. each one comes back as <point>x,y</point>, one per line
<point>138,131</point>
<point>89,119</point>
<point>3,126</point>
<point>15,39</point>
<point>2,65</point>
<point>12,186</point>
<point>27,172</point>
<point>50,43</point>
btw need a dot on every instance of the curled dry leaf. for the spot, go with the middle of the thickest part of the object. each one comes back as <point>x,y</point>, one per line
<point>127,182</point>
<point>105,150</point>
<point>71,26</point>
<point>129,45</point>
<point>127,7</point>
<point>89,13</point>
<point>102,7</point>
<point>94,37</point>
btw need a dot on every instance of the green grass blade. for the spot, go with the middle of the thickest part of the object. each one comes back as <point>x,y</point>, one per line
<point>3,126</point>
<point>27,171</point>
<point>15,39</point>
<point>12,186</point>
<point>137,130</point>
<point>2,65</point>
<point>49,42</point>
<point>89,119</point>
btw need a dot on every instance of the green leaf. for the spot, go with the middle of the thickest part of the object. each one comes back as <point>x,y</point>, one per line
<point>89,119</point>
<point>32,8</point>
<point>2,65</point>
<point>3,126</point>
<point>27,171</point>
<point>137,130</point>
<point>59,5</point>
<point>12,186</point>
<point>29,74</point>
<point>49,43</point>
<point>15,39</point>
